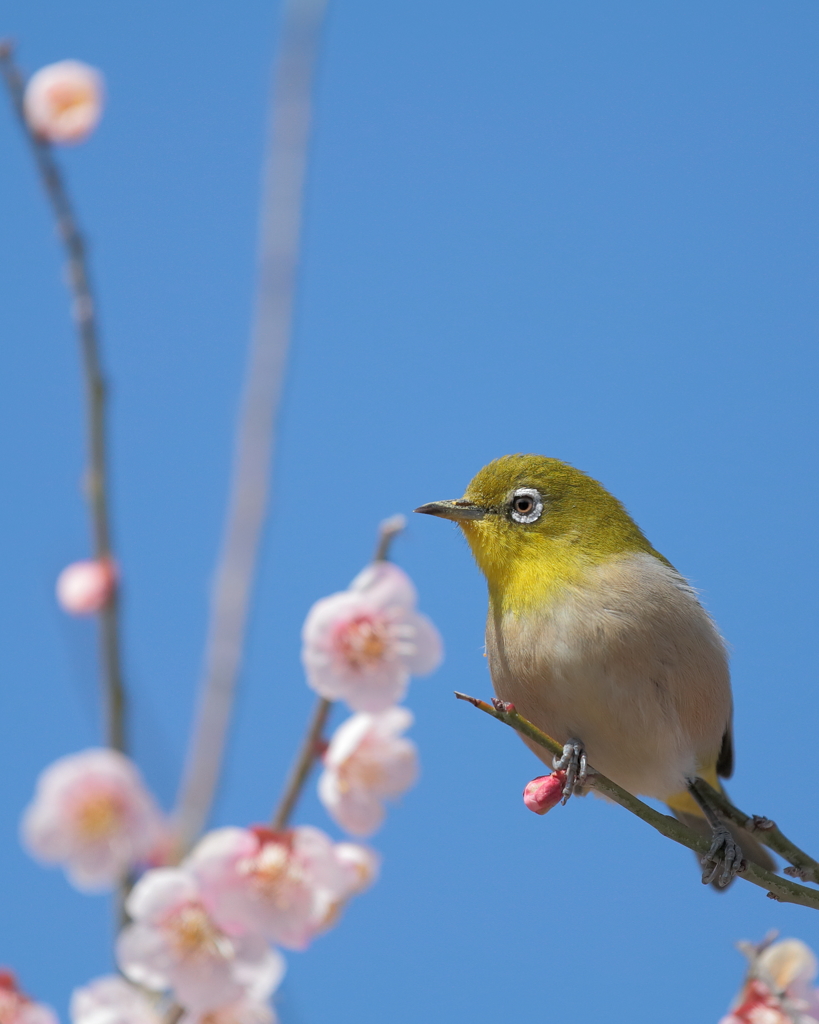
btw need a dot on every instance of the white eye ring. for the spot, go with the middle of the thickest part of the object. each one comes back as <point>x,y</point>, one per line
<point>537,505</point>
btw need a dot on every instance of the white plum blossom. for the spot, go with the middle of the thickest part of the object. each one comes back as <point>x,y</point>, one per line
<point>92,813</point>
<point>363,644</point>
<point>112,1000</point>
<point>17,1008</point>
<point>283,885</point>
<point>361,864</point>
<point>245,1011</point>
<point>63,101</point>
<point>84,588</point>
<point>175,943</point>
<point>368,761</point>
<point>779,986</point>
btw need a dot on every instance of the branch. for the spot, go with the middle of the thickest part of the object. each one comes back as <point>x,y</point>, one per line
<point>84,311</point>
<point>310,750</point>
<point>278,261</point>
<point>803,865</point>
<point>388,530</point>
<point>780,889</point>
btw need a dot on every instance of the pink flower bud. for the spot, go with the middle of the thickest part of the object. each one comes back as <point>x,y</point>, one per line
<point>84,588</point>
<point>63,102</point>
<point>545,792</point>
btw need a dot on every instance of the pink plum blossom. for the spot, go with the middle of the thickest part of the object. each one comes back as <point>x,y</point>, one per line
<point>63,101</point>
<point>92,814</point>
<point>84,588</point>
<point>245,1011</point>
<point>17,1008</point>
<point>363,644</point>
<point>544,792</point>
<point>778,988</point>
<point>367,762</point>
<point>112,1000</point>
<point>361,864</point>
<point>283,885</point>
<point>175,943</point>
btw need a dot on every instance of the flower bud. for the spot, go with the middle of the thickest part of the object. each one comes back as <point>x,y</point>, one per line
<point>84,588</point>
<point>544,792</point>
<point>63,102</point>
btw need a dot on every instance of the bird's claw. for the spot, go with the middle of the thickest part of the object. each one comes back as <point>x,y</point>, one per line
<point>573,762</point>
<point>725,854</point>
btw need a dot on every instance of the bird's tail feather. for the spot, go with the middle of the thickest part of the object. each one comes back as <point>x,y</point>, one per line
<point>687,810</point>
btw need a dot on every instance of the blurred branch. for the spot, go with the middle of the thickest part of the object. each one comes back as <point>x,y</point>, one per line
<point>311,750</point>
<point>312,747</point>
<point>236,569</point>
<point>84,311</point>
<point>780,889</point>
<point>388,530</point>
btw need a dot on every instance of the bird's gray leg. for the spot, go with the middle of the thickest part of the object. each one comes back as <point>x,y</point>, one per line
<point>573,763</point>
<point>725,852</point>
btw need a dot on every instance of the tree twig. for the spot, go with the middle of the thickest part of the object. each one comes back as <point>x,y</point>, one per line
<point>388,530</point>
<point>84,312</point>
<point>780,889</point>
<point>278,261</point>
<point>803,865</point>
<point>310,751</point>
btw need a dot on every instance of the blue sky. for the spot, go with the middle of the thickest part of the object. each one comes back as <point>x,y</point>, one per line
<point>584,230</point>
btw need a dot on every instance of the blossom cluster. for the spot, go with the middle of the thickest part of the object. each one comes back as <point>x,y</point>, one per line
<point>205,932</point>
<point>361,646</point>
<point>778,988</point>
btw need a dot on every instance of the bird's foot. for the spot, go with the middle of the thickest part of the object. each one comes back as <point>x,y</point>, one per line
<point>724,858</point>
<point>573,763</point>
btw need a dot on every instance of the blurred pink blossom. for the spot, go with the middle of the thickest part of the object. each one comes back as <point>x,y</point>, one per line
<point>175,943</point>
<point>281,884</point>
<point>245,1011</point>
<point>778,988</point>
<point>112,1000</point>
<point>63,101</point>
<point>84,588</point>
<point>362,645</point>
<point>544,792</point>
<point>361,865</point>
<point>367,762</point>
<point>92,813</point>
<point>17,1008</point>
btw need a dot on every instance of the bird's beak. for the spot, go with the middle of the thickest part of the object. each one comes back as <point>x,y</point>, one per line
<point>457,510</point>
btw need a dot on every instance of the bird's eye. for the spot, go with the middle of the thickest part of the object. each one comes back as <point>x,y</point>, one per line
<point>526,505</point>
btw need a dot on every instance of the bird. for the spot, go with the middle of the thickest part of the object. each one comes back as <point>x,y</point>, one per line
<point>598,640</point>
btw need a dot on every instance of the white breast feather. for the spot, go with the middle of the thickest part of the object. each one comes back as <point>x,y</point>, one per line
<point>631,664</point>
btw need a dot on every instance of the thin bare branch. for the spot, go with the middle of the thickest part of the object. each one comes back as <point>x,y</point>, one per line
<point>278,262</point>
<point>388,530</point>
<point>310,750</point>
<point>84,313</point>
<point>803,865</point>
<point>780,889</point>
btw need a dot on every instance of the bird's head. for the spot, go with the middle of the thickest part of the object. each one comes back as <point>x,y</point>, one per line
<point>533,522</point>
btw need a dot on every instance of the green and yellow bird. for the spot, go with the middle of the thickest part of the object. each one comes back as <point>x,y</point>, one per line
<point>597,639</point>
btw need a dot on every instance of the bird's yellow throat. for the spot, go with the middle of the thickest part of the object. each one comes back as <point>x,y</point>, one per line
<point>530,566</point>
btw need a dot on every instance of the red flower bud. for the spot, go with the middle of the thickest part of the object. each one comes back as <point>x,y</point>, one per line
<point>545,792</point>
